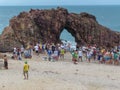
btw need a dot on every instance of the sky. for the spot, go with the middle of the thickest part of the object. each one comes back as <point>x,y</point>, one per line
<point>59,2</point>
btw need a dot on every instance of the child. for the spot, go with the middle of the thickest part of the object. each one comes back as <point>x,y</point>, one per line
<point>5,62</point>
<point>25,70</point>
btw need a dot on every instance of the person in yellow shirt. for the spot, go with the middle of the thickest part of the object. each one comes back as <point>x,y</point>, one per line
<point>25,70</point>
<point>62,52</point>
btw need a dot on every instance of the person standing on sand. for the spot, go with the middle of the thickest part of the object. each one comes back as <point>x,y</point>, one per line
<point>80,54</point>
<point>49,53</point>
<point>36,49</point>
<point>5,62</point>
<point>74,56</point>
<point>25,70</point>
<point>62,52</point>
<point>88,55</point>
<point>116,58</point>
<point>15,53</point>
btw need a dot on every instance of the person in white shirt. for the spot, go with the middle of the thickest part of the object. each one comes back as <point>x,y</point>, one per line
<point>36,49</point>
<point>15,50</point>
<point>55,55</point>
<point>80,54</point>
<point>15,53</point>
<point>22,50</point>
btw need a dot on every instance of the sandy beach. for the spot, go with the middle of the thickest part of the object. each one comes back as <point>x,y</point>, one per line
<point>59,75</point>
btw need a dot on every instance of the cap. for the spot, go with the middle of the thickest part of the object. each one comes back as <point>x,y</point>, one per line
<point>25,62</point>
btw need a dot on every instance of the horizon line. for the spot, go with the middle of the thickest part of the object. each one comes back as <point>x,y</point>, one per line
<point>68,5</point>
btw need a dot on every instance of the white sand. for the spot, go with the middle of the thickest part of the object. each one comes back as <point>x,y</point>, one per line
<point>60,75</point>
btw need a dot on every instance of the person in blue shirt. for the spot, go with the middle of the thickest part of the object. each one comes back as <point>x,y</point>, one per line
<point>49,52</point>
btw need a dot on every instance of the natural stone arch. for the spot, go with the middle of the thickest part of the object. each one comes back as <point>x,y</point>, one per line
<point>47,25</point>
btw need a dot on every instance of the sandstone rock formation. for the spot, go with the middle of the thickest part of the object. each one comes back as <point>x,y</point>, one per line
<point>47,25</point>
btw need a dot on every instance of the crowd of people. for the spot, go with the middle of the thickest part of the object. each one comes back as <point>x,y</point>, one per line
<point>102,55</point>
<point>52,51</point>
<point>56,52</point>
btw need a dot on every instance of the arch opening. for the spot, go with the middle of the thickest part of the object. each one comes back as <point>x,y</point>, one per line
<point>67,37</point>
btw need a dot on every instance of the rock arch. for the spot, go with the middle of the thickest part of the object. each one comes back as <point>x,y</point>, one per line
<point>47,25</point>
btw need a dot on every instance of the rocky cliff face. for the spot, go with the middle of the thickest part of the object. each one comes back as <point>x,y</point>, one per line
<point>47,25</point>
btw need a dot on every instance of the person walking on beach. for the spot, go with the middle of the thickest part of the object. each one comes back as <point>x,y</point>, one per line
<point>25,70</point>
<point>5,62</point>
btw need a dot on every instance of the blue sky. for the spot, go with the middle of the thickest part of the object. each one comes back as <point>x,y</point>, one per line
<point>59,2</point>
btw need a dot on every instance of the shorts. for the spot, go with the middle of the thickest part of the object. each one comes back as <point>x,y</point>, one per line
<point>36,51</point>
<point>14,53</point>
<point>74,59</point>
<point>25,72</point>
<point>80,56</point>
<point>88,57</point>
<point>6,65</point>
<point>107,58</point>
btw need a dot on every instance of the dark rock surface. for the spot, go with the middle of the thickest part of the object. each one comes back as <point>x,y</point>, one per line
<point>47,25</point>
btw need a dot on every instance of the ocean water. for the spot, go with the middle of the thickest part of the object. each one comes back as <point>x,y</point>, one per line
<point>108,16</point>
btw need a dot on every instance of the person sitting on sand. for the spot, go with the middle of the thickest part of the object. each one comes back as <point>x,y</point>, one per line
<point>5,62</point>
<point>25,70</point>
